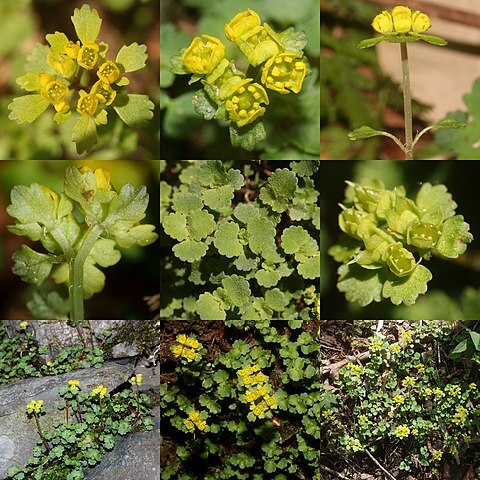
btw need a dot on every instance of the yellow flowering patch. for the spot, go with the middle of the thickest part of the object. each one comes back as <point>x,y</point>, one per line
<point>101,391</point>
<point>460,415</point>
<point>137,379</point>
<point>194,420</point>
<point>402,431</point>
<point>259,397</point>
<point>187,347</point>
<point>73,384</point>
<point>35,406</point>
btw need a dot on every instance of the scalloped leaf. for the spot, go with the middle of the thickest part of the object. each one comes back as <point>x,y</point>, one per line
<point>267,278</point>
<point>175,225</point>
<point>203,104</point>
<point>293,41</point>
<point>435,203</point>
<point>135,110</point>
<point>261,234</point>
<point>280,188</point>
<point>31,266</point>
<point>87,23</point>
<point>360,285</point>
<point>218,199</point>
<point>57,41</point>
<point>132,57</point>
<point>190,251</point>
<point>186,202</point>
<point>208,308</point>
<point>455,236</point>
<point>226,240</point>
<point>200,224</point>
<point>310,268</point>
<point>407,289</point>
<point>245,211</point>
<point>249,136</point>
<point>276,299</point>
<point>27,108</point>
<point>84,134</point>
<point>48,306</point>
<point>237,290</point>
<point>305,168</point>
<point>29,82</point>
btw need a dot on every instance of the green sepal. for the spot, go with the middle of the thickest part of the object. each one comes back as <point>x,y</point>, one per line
<point>455,236</point>
<point>84,134</point>
<point>203,105</point>
<point>195,78</point>
<point>33,267</point>
<point>135,110</point>
<point>400,38</point>
<point>27,108</point>
<point>132,57</point>
<point>123,81</point>
<point>60,117</point>
<point>433,39</point>
<point>29,82</point>
<point>248,136</point>
<point>293,41</point>
<point>87,23</point>
<point>370,42</point>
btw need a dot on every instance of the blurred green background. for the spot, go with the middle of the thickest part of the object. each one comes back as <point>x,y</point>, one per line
<point>291,121</point>
<point>137,273</point>
<point>23,23</point>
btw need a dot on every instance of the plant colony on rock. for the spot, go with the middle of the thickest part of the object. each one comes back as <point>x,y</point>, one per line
<point>254,260</point>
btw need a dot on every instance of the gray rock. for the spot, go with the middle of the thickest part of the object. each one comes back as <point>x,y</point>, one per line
<point>134,457</point>
<point>18,434</point>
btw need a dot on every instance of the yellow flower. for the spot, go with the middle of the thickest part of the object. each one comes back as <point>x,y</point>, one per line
<point>406,336</point>
<point>87,104</point>
<point>54,91</point>
<point>244,107</point>
<point>34,406</point>
<point>460,415</point>
<point>414,431</point>
<point>420,367</point>
<point>354,369</point>
<point>190,426</point>
<point>362,419</point>
<point>420,22</point>
<point>194,419</point>
<point>402,431</point>
<point>109,72</point>
<point>62,64</point>
<point>202,56</point>
<point>399,399</point>
<point>438,392</point>
<point>395,347</point>
<point>454,390</point>
<point>88,55</point>
<point>402,19</point>
<point>101,391</point>
<point>428,391</point>
<point>137,379</point>
<point>376,345</point>
<point>467,438</point>
<point>284,72</point>
<point>72,49</point>
<point>408,382</point>
<point>241,23</point>
<point>24,324</point>
<point>260,44</point>
<point>437,454</point>
<point>383,23</point>
<point>104,92</point>
<point>74,385</point>
<point>328,413</point>
<point>472,386</point>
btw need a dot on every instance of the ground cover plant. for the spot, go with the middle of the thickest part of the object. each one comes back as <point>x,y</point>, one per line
<point>79,229</point>
<point>245,242</point>
<point>399,399</point>
<point>255,70</point>
<point>399,245</point>
<point>239,400</point>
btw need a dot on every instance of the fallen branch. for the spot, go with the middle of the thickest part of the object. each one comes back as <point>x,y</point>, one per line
<point>379,465</point>
<point>333,472</point>
<point>333,368</point>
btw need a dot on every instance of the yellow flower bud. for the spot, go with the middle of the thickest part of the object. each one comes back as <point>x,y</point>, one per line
<point>102,180</point>
<point>402,19</point>
<point>383,23</point>
<point>241,23</point>
<point>420,22</point>
<point>202,56</point>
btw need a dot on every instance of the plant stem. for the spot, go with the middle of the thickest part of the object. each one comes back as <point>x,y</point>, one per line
<point>77,263</point>
<point>407,103</point>
<point>44,440</point>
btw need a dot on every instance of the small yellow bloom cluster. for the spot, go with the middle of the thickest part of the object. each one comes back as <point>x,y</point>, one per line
<point>414,431</point>
<point>453,390</point>
<point>437,454</point>
<point>408,381</point>
<point>259,398</point>
<point>74,385</point>
<point>354,368</point>
<point>420,367</point>
<point>362,419</point>
<point>137,379</point>
<point>326,414</point>
<point>24,324</point>
<point>187,348</point>
<point>401,20</point>
<point>399,399</point>
<point>406,337</point>
<point>438,392</point>
<point>472,386</point>
<point>35,406</point>
<point>402,431</point>
<point>395,347</point>
<point>376,345</point>
<point>460,415</point>
<point>194,419</point>
<point>101,391</point>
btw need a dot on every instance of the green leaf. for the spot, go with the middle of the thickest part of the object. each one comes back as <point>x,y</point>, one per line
<point>276,299</point>
<point>360,285</point>
<point>190,251</point>
<point>27,108</point>
<point>433,39</point>
<point>30,82</point>
<point>293,41</point>
<point>237,289</point>
<point>60,117</point>
<point>84,134</point>
<point>133,57</point>
<point>87,24</point>
<point>104,253</point>
<point>435,203</point>
<point>175,225</point>
<point>135,110</point>
<point>449,123</point>
<point>176,64</point>
<point>186,202</point>
<point>266,278</point>
<point>200,224</point>
<point>57,40</point>
<point>460,348</point>
<point>218,199</point>
<point>248,136</point>
<point>204,105</point>
<point>475,339</point>
<point>365,132</point>
<point>370,42</point>
<point>31,266</point>
<point>310,268</point>
<point>208,308</point>
<point>455,236</point>
<point>280,188</point>
<point>261,234</point>
<point>407,289</point>
<point>48,306</point>
<point>226,240</point>
<point>37,60</point>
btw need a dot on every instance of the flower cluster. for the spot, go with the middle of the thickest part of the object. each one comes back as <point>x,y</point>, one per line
<point>402,431</point>
<point>100,390</point>
<point>74,385</point>
<point>35,406</point>
<point>195,420</point>
<point>238,97</point>
<point>187,348</point>
<point>460,415</point>
<point>137,379</point>
<point>258,397</point>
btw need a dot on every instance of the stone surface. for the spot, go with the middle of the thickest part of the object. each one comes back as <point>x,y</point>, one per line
<point>18,434</point>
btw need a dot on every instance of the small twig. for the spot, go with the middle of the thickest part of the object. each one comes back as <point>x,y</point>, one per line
<point>379,465</point>
<point>333,472</point>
